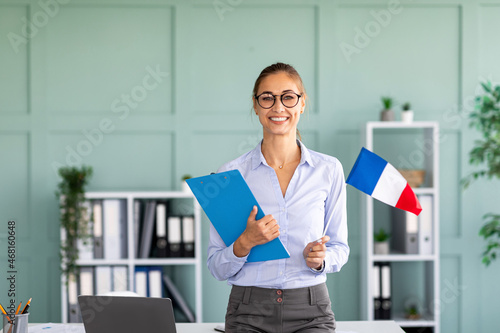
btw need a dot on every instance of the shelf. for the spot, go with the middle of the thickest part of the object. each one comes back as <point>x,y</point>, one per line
<point>424,190</point>
<point>425,321</point>
<point>138,262</point>
<point>403,257</point>
<point>165,261</point>
<point>138,195</point>
<point>399,124</point>
<point>128,233</point>
<point>103,262</point>
<point>407,146</point>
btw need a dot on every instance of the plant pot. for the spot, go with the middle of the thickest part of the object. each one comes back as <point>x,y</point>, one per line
<point>387,115</point>
<point>407,116</point>
<point>415,316</point>
<point>415,178</point>
<point>185,187</point>
<point>381,247</point>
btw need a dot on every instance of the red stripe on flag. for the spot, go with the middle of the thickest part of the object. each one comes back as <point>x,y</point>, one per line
<point>408,201</point>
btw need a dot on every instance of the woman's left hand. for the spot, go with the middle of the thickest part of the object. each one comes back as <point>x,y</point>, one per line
<point>315,252</point>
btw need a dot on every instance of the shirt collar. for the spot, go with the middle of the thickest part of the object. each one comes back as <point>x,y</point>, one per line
<point>258,158</point>
<point>305,155</point>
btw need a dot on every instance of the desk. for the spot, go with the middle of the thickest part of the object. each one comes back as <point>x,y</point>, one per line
<point>379,326</point>
<point>345,326</point>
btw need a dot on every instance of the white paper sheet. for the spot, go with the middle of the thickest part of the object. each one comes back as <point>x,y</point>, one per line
<point>56,328</point>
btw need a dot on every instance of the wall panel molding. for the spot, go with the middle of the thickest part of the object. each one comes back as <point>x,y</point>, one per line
<point>135,58</point>
<point>15,53</point>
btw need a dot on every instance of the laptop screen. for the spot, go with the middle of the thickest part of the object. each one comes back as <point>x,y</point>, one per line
<point>104,314</point>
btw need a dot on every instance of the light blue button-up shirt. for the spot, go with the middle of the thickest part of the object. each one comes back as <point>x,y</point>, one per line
<point>314,200</point>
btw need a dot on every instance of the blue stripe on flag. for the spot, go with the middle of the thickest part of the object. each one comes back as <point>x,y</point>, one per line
<point>366,171</point>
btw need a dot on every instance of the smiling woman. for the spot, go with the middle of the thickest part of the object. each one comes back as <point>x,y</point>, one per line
<point>289,98</point>
<point>303,192</point>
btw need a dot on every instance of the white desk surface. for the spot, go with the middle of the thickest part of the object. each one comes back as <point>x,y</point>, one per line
<point>378,326</point>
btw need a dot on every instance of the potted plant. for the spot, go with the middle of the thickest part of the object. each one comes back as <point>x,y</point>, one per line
<point>407,113</point>
<point>74,215</point>
<point>413,308</point>
<point>381,242</point>
<point>185,186</point>
<point>387,114</point>
<point>486,152</point>
<point>412,312</point>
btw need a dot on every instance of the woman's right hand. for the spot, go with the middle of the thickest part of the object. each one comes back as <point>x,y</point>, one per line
<point>257,232</point>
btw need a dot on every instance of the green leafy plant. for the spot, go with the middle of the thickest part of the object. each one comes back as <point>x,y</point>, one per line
<point>486,154</point>
<point>491,230</point>
<point>74,215</point>
<point>406,106</point>
<point>387,102</point>
<point>412,312</point>
<point>381,235</point>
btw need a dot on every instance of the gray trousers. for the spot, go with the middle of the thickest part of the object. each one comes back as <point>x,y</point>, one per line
<point>253,309</point>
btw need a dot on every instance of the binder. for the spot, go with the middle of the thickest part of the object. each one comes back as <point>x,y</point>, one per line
<point>377,300</point>
<point>86,281</point>
<point>98,245</point>
<point>405,236</point>
<point>123,229</point>
<point>147,229</point>
<point>174,236</point>
<point>141,281</point>
<point>138,211</point>
<point>187,244</point>
<point>161,230</point>
<point>102,280</point>
<point>386,300</point>
<point>425,220</point>
<point>112,225</point>
<point>227,200</point>
<point>155,285</point>
<point>73,308</point>
<point>177,298</point>
<point>120,278</point>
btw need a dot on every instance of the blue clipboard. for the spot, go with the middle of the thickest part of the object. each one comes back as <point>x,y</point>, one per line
<point>227,200</point>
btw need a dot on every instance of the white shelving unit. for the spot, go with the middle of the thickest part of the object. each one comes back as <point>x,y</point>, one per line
<point>428,264</point>
<point>131,262</point>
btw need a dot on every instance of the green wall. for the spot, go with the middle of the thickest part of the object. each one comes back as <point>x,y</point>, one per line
<point>63,100</point>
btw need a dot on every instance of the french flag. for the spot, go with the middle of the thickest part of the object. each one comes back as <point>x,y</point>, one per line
<point>374,176</point>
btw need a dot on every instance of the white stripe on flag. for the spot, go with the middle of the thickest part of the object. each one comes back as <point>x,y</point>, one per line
<point>389,186</point>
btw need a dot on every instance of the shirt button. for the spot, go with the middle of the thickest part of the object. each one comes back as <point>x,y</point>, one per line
<point>279,300</point>
<point>279,292</point>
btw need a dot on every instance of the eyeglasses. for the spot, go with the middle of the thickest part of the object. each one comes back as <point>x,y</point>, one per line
<point>267,100</point>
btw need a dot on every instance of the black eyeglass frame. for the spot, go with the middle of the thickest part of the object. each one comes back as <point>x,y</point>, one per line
<point>281,99</point>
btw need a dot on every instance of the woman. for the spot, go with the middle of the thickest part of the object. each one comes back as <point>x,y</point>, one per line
<point>304,194</point>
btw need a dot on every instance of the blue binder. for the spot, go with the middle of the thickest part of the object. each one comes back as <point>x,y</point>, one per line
<point>227,200</point>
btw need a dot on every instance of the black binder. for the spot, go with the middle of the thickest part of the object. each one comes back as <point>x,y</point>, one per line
<point>385,290</point>
<point>161,230</point>
<point>98,229</point>
<point>187,248</point>
<point>377,300</point>
<point>174,236</point>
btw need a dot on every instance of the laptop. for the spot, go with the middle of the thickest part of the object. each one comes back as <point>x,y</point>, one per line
<point>104,314</point>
